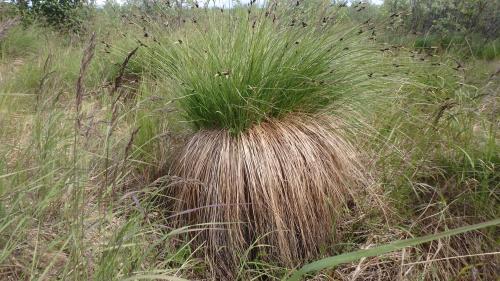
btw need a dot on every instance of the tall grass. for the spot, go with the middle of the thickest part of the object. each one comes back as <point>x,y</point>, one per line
<point>52,225</point>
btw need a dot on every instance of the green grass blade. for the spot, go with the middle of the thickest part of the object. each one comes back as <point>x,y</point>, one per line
<point>394,246</point>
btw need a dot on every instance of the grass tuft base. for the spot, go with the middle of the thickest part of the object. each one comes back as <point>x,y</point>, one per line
<point>283,183</point>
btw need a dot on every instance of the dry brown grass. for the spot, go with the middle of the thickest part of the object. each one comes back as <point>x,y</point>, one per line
<point>285,182</point>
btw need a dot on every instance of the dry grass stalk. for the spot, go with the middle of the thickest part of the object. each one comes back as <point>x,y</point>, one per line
<point>88,54</point>
<point>282,181</point>
<point>78,197</point>
<point>43,80</point>
<point>121,72</point>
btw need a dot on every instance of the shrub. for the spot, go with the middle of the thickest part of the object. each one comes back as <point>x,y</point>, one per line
<point>64,15</point>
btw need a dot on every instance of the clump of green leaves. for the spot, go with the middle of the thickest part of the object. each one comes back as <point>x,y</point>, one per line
<point>242,66</point>
<point>64,15</point>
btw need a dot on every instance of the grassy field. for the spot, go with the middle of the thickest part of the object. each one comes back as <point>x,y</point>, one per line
<point>90,123</point>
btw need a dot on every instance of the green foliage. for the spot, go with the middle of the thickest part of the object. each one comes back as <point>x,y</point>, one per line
<point>465,46</point>
<point>487,50</point>
<point>466,28</point>
<point>240,69</point>
<point>64,15</point>
<point>45,167</point>
<point>445,16</point>
<point>446,141</point>
<point>20,41</point>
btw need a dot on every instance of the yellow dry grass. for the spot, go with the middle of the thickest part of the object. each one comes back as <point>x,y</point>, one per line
<point>284,182</point>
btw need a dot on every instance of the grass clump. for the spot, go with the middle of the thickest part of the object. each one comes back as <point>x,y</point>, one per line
<point>242,68</point>
<point>260,86</point>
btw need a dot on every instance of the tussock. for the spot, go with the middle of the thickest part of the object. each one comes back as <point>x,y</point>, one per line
<point>283,181</point>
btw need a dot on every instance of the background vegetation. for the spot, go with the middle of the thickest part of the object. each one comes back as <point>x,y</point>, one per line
<point>88,127</point>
